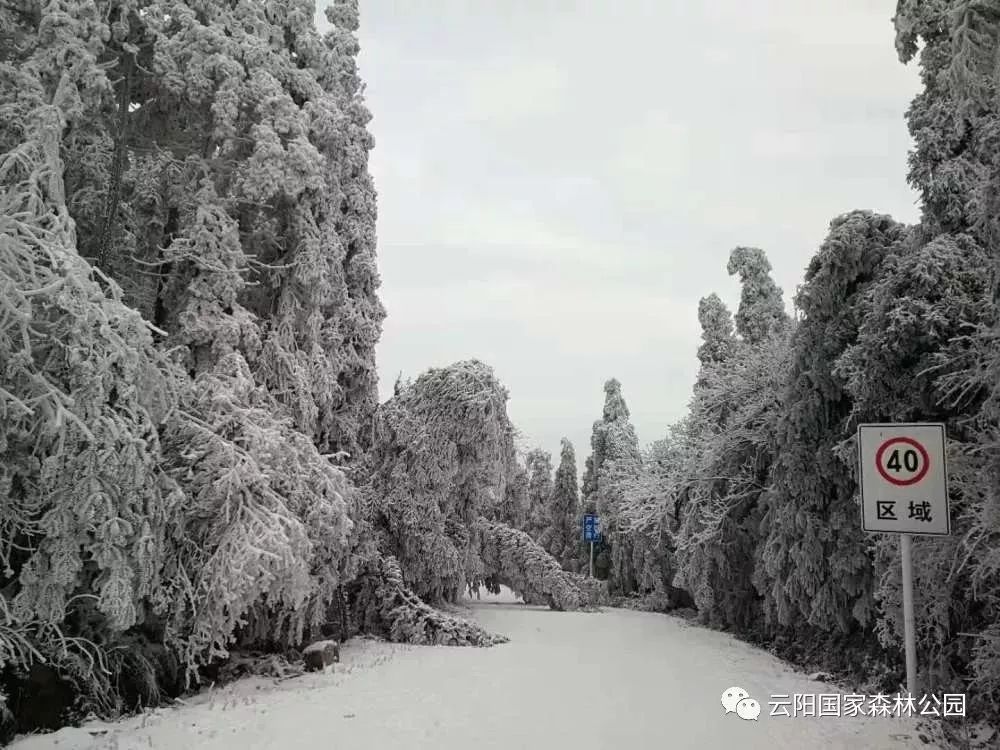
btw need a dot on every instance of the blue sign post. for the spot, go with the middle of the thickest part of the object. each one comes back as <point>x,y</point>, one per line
<point>591,533</point>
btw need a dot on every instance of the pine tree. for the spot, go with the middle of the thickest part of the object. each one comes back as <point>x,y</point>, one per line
<point>956,168</point>
<point>726,454</point>
<point>563,535</point>
<point>955,164</point>
<point>761,310</point>
<point>359,321</point>
<point>910,346</point>
<point>514,510</point>
<point>246,149</point>
<point>263,501</point>
<point>205,166</point>
<point>87,509</point>
<point>615,459</point>
<point>539,467</point>
<point>814,567</point>
<point>716,330</point>
<point>279,130</point>
<point>648,518</point>
<point>719,345</point>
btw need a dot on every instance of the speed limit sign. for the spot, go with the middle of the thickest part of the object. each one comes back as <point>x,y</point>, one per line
<point>904,489</point>
<point>904,478</point>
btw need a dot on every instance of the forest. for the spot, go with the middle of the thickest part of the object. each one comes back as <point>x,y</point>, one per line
<point>195,467</point>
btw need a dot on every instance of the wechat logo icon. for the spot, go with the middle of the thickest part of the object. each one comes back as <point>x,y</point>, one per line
<point>737,700</point>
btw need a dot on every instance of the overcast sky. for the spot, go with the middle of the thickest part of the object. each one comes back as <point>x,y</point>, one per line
<point>560,181</point>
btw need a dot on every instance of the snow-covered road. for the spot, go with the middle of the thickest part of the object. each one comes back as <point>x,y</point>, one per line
<point>612,680</point>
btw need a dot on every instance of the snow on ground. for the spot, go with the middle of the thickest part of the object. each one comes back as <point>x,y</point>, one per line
<point>613,679</point>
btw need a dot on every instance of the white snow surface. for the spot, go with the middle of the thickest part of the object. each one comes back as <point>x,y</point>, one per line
<point>574,680</point>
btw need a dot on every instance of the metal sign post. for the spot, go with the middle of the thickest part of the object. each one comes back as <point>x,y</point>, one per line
<point>904,490</point>
<point>909,623</point>
<point>591,533</point>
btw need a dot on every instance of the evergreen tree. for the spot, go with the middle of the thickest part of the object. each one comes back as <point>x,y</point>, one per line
<point>206,94</point>
<point>442,462</point>
<point>346,423</point>
<point>648,517</point>
<point>955,164</point>
<point>727,452</point>
<point>615,459</point>
<point>814,567</point>
<point>443,457</point>
<point>910,347</point>
<point>563,533</point>
<point>716,330</point>
<point>88,512</point>
<point>514,511</point>
<point>719,342</point>
<point>956,168</point>
<point>264,357</point>
<point>261,498</point>
<point>539,467</point>
<point>202,166</point>
<point>761,310</point>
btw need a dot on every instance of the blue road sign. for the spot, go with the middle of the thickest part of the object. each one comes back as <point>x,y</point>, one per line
<point>591,528</point>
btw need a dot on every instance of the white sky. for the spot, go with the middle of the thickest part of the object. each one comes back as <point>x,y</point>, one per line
<point>560,181</point>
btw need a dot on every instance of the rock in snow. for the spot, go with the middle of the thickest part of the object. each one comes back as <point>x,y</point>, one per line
<point>320,655</point>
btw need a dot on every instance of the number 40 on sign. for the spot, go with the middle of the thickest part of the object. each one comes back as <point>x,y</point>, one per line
<point>904,478</point>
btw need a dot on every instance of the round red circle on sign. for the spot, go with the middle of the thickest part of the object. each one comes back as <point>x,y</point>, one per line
<point>925,461</point>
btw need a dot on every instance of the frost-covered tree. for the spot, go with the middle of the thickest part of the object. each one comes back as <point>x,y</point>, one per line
<point>268,512</point>
<point>726,460</point>
<point>359,318</point>
<point>514,508</point>
<point>814,568</point>
<point>719,345</point>
<point>539,468</point>
<point>514,559</point>
<point>956,168</point>
<point>253,258</point>
<point>251,98</point>
<point>911,346</point>
<point>389,608</point>
<point>761,310</point>
<point>562,535</point>
<point>615,458</point>
<point>202,166</point>
<point>87,510</point>
<point>442,458</point>
<point>651,496</point>
<point>442,461</point>
<point>955,118</point>
<point>613,440</point>
<point>648,516</point>
<point>910,341</point>
<point>726,452</point>
<point>717,337</point>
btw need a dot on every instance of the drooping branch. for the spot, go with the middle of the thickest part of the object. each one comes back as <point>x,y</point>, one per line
<point>515,559</point>
<point>386,606</point>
